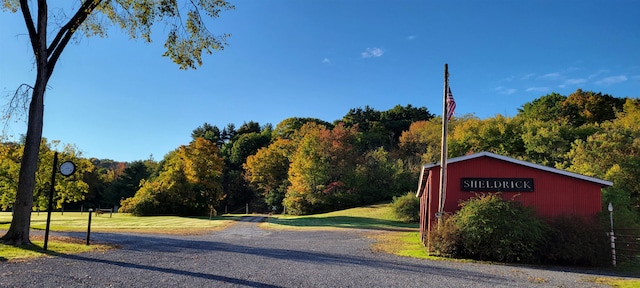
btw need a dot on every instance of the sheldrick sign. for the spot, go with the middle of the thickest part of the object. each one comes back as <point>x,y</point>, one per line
<point>497,184</point>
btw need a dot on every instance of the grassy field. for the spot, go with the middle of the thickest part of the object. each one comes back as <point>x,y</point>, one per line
<point>76,221</point>
<point>374,217</point>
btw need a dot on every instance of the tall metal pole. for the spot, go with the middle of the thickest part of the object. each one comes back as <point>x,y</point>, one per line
<point>612,236</point>
<point>443,150</point>
<point>50,207</point>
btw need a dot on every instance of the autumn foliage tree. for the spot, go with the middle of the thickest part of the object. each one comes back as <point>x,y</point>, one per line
<point>190,183</point>
<point>203,169</point>
<point>267,171</point>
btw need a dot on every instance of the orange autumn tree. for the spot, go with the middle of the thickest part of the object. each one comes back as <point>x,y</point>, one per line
<point>321,169</point>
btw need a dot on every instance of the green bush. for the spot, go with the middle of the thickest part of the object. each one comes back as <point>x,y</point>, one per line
<point>406,208</point>
<point>490,228</point>
<point>446,240</point>
<point>576,241</point>
<point>495,229</point>
<point>139,206</point>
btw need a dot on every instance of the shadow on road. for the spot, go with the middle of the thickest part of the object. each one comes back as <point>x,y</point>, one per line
<point>159,244</point>
<point>225,279</point>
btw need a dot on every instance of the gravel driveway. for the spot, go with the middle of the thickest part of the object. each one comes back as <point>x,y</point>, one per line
<point>246,256</point>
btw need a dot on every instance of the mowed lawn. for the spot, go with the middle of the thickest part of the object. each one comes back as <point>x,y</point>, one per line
<point>116,222</point>
<point>373,217</point>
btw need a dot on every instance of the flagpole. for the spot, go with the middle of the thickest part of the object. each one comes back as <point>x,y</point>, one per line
<point>443,150</point>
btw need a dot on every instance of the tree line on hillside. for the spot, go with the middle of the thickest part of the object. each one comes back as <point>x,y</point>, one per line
<point>307,165</point>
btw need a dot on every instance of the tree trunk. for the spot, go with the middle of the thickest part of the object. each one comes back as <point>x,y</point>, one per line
<point>18,233</point>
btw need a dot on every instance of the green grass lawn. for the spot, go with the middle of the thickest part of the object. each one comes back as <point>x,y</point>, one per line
<point>76,221</point>
<point>374,217</point>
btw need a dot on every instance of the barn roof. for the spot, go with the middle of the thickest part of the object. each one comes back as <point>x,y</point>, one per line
<point>603,183</point>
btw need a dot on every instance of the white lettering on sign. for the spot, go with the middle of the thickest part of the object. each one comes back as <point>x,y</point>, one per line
<point>497,184</point>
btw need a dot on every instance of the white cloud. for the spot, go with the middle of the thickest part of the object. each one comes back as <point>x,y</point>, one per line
<point>508,79</point>
<point>612,80</point>
<point>537,89</point>
<point>326,61</point>
<point>551,76</point>
<point>597,74</point>
<point>527,76</point>
<point>372,52</point>
<point>575,81</point>
<point>505,90</point>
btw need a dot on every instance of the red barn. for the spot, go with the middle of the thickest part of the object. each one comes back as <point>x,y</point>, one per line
<point>550,191</point>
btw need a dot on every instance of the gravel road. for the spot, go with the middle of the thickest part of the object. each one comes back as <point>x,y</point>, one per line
<point>246,256</point>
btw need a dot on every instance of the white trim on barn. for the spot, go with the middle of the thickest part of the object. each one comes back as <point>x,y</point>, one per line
<point>426,167</point>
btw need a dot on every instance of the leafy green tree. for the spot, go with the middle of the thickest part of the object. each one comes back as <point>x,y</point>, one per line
<point>100,181</point>
<point>247,140</point>
<point>247,144</point>
<point>251,127</point>
<point>363,118</point>
<point>546,143</point>
<point>546,108</point>
<point>67,189</point>
<point>189,183</point>
<point>229,132</point>
<point>187,39</point>
<point>383,128</point>
<point>127,183</point>
<point>399,118</point>
<point>378,177</point>
<point>614,154</point>
<point>211,133</point>
<point>10,154</point>
<point>498,134</point>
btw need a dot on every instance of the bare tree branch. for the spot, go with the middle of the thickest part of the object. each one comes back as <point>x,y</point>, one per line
<point>17,105</point>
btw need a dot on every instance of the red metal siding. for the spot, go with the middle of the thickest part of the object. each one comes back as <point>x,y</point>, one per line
<point>424,202</point>
<point>554,194</point>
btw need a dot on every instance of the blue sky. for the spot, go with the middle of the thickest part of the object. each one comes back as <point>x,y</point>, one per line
<point>120,99</point>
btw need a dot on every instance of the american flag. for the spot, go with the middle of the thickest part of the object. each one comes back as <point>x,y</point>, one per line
<point>451,104</point>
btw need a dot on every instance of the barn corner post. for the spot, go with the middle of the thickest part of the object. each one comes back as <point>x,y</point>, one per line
<point>443,150</point>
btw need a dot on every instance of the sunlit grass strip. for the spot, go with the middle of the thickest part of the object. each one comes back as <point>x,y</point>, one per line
<point>619,283</point>
<point>402,244</point>
<point>55,246</point>
<point>76,221</point>
<point>374,217</point>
